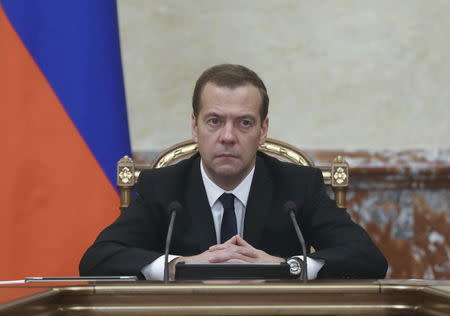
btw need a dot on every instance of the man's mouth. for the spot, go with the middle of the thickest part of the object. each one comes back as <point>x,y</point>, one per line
<point>226,155</point>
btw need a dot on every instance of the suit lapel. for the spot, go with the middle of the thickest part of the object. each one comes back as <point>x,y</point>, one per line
<point>258,204</point>
<point>199,209</point>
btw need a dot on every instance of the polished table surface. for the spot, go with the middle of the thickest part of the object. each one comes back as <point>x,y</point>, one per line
<point>343,297</point>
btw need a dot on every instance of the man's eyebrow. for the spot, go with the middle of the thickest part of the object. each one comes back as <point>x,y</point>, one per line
<point>247,116</point>
<point>212,113</point>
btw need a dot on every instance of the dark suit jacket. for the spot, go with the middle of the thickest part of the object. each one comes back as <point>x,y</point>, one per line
<point>137,237</point>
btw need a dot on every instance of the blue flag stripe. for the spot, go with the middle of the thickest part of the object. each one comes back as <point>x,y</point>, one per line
<point>76,45</point>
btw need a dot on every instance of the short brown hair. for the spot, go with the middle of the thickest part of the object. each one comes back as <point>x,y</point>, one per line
<point>230,76</point>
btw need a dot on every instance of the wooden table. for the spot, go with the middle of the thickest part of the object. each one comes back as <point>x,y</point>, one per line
<point>360,297</point>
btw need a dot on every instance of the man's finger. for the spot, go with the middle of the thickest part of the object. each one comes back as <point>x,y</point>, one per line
<point>219,247</point>
<point>246,251</point>
<point>225,257</point>
<point>235,252</point>
<point>232,240</point>
<point>241,242</point>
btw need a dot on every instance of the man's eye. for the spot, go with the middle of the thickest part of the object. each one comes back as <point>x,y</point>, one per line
<point>246,123</point>
<point>213,121</point>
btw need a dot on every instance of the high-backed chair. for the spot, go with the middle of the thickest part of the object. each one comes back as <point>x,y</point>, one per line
<point>335,174</point>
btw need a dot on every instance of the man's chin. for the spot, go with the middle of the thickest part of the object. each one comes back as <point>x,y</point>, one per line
<point>225,171</point>
<point>227,175</point>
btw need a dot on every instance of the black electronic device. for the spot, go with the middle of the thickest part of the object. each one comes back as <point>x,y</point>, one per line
<point>232,271</point>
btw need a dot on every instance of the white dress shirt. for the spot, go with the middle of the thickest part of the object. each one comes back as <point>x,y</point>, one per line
<point>214,192</point>
<point>155,270</point>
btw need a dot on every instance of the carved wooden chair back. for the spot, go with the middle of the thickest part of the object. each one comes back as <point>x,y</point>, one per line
<point>335,174</point>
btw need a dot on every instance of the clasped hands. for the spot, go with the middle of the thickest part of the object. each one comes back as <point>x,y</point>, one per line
<point>234,250</point>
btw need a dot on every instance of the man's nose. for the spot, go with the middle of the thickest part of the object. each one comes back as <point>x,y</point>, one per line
<point>228,133</point>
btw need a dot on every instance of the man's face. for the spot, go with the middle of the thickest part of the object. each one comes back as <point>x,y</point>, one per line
<point>228,131</point>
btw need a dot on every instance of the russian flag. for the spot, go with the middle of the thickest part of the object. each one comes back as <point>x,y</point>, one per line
<point>63,127</point>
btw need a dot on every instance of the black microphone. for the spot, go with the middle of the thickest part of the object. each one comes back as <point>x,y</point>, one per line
<point>173,208</point>
<point>290,207</point>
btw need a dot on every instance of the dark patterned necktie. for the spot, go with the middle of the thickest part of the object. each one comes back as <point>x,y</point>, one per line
<point>229,226</point>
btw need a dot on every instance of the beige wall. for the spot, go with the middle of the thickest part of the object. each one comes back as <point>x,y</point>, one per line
<point>340,74</point>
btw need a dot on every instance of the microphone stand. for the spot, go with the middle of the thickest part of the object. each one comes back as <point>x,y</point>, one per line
<point>173,208</point>
<point>302,243</point>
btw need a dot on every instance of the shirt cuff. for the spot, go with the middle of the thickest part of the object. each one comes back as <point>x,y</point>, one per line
<point>155,270</point>
<point>314,266</point>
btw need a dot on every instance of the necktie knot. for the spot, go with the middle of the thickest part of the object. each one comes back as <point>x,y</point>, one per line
<point>227,200</point>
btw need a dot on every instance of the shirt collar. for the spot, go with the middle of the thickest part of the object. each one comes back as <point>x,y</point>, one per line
<point>213,191</point>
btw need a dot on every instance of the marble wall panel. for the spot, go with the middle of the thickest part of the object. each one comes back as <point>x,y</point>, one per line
<point>411,227</point>
<point>402,198</point>
<point>349,74</point>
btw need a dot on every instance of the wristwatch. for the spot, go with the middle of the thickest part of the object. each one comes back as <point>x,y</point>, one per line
<point>296,266</point>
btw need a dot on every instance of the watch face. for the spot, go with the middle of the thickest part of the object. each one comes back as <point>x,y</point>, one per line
<point>295,267</point>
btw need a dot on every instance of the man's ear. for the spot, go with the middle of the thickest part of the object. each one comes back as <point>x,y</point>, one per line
<point>264,129</point>
<point>194,128</point>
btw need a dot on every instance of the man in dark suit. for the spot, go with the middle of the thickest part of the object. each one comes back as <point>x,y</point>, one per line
<point>233,199</point>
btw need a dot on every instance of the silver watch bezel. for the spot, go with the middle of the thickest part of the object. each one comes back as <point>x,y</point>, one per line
<point>295,266</point>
